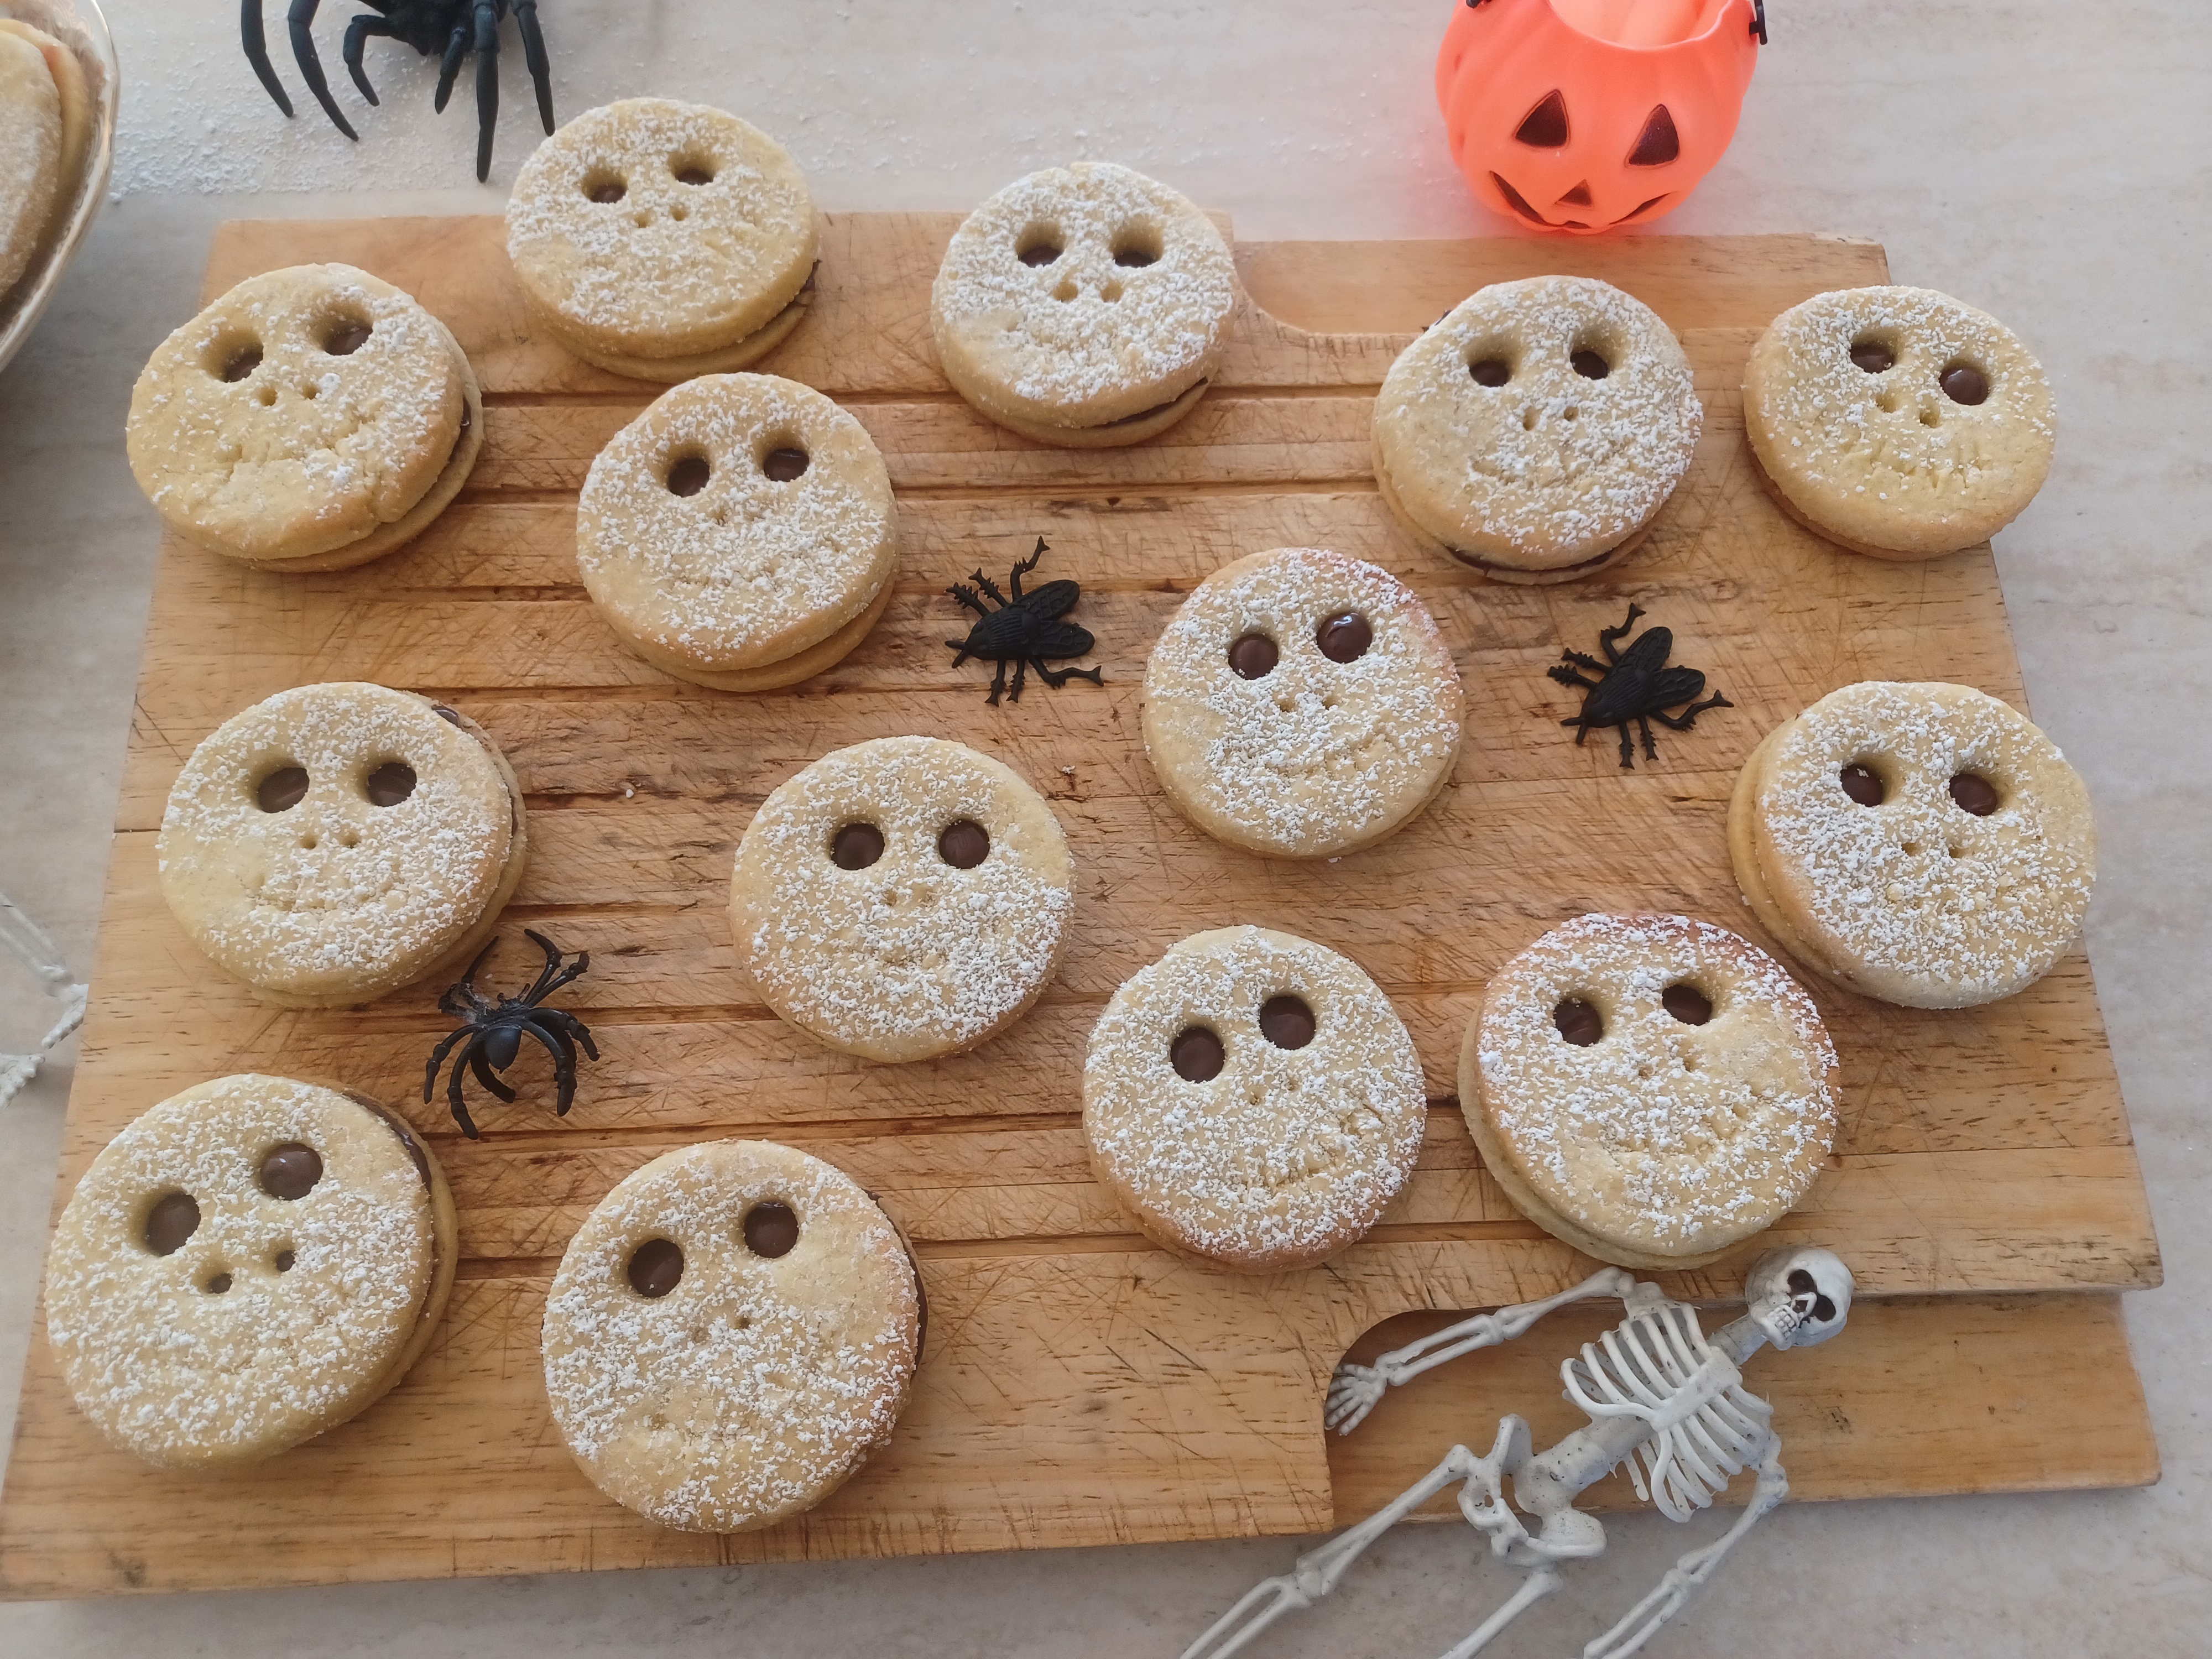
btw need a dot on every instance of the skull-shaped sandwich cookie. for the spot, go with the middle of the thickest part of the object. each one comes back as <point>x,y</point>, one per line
<point>1652,1090</point>
<point>337,841</point>
<point>740,533</point>
<point>1253,1099</point>
<point>313,418</point>
<point>1083,306</point>
<point>661,240</point>
<point>1536,429</point>
<point>903,898</point>
<point>252,1262</point>
<point>1301,704</point>
<point>1922,843</point>
<point>732,1331</point>
<point>1897,422</point>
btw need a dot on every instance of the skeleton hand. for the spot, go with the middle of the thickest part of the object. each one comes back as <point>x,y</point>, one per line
<point>1352,1392</point>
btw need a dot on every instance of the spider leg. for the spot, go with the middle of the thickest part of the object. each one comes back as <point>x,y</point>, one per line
<point>1021,679</point>
<point>1606,635</point>
<point>300,18</point>
<point>564,1067</point>
<point>1627,749</point>
<point>487,14</point>
<point>562,1020</point>
<point>544,980</point>
<point>990,589</point>
<point>256,51</point>
<point>356,35</point>
<point>1056,678</point>
<point>1683,721</point>
<point>998,684</point>
<point>534,53</point>
<point>1568,677</point>
<point>438,1058</point>
<point>483,1073</point>
<point>460,1107</point>
<point>449,66</point>
<point>1026,566</point>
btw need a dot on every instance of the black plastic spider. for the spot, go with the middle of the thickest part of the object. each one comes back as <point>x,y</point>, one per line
<point>429,26</point>
<point>494,1031</point>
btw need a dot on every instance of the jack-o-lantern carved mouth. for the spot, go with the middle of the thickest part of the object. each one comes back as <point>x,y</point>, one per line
<point>1578,196</point>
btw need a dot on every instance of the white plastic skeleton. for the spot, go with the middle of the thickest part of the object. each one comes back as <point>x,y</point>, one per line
<point>1661,1397</point>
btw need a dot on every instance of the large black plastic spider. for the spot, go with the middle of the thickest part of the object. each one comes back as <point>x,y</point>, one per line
<point>453,26</point>
<point>494,1031</point>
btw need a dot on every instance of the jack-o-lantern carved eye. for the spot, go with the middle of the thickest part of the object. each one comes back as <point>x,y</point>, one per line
<point>1544,127</point>
<point>1658,143</point>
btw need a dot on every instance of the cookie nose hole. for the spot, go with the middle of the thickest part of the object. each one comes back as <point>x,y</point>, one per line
<point>1589,365</point>
<point>963,845</point>
<point>1886,401</point>
<point>680,211</point>
<point>1196,1055</point>
<point>283,1259</point>
<point>604,187</point>
<point>692,170</point>
<point>1254,657</point>
<point>771,1229</point>
<point>1111,292</point>
<point>1065,291</point>
<point>216,1283</point>
<point>1491,371</point>
<point>689,476</point>
<point>1862,784</point>
<point>311,390</point>
<point>389,784</point>
<point>282,789</point>
<point>1872,355</point>
<point>174,1218</point>
<point>1344,637</point>
<point>1136,247</point>
<point>291,1170</point>
<point>268,397</point>
<point>654,1268</point>
<point>785,463</point>
<point>1931,416</point>
<point>1963,383</point>
<point>346,336</point>
<point>1286,1022</point>
<point>1974,794</point>
<point>1527,420</point>
<point>856,845</point>
<point>1039,244</point>
<point>237,361</point>
<point>1578,1021</point>
<point>1687,1004</point>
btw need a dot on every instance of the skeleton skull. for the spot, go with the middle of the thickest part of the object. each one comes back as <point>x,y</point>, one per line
<point>1799,1297</point>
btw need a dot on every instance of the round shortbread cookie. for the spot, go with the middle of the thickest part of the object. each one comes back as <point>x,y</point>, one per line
<point>306,414</point>
<point>732,1331</point>
<point>1652,1090</point>
<point>1083,306</point>
<point>738,523</point>
<point>336,842</point>
<point>1535,430</point>
<point>1252,1098</point>
<point>648,232</point>
<point>1301,703</point>
<point>1897,422</point>
<point>903,898</point>
<point>252,1262</point>
<point>1922,843</point>
<point>30,155</point>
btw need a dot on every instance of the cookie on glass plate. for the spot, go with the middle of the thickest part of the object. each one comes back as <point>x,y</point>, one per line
<point>31,171</point>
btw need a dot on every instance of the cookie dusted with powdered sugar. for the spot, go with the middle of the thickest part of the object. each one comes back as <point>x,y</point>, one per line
<point>1923,843</point>
<point>1301,704</point>
<point>1898,421</point>
<point>1083,306</point>
<point>1253,1098</point>
<point>1652,1090</point>
<point>740,533</point>
<point>1536,430</point>
<point>661,240</point>
<point>252,1262</point>
<point>313,418</point>
<point>337,841</point>
<point>31,168</point>
<point>903,898</point>
<point>732,1331</point>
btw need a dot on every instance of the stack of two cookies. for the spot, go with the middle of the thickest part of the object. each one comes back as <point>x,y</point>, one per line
<point>46,132</point>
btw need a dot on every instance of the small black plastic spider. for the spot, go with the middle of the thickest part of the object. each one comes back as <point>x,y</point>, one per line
<point>453,26</point>
<point>1634,684</point>
<point>494,1031</point>
<point>1024,630</point>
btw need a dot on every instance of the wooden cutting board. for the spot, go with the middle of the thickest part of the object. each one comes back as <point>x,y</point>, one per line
<point>1080,1386</point>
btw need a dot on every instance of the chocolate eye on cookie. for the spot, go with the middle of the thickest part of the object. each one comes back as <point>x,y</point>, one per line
<point>1535,430</point>
<point>1252,1099</point>
<point>1301,704</point>
<point>250,1263</point>
<point>1083,306</point>
<point>1897,422</point>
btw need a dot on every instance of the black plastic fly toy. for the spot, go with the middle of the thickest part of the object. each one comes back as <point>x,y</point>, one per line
<point>1024,630</point>
<point>453,28</point>
<point>494,1033</point>
<point>1634,684</point>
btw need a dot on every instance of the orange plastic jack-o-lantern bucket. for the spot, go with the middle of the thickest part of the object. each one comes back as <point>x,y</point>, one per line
<point>1578,115</point>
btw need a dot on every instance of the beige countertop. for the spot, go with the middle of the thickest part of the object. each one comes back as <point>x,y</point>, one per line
<point>2042,160</point>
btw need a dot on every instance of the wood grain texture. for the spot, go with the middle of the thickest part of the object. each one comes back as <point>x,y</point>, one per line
<point>1080,1386</point>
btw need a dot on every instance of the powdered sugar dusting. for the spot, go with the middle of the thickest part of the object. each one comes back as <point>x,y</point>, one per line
<point>1551,467</point>
<point>748,1392</point>
<point>181,1375</point>
<point>1288,1155</point>
<point>1662,1136</point>
<point>1315,757</point>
